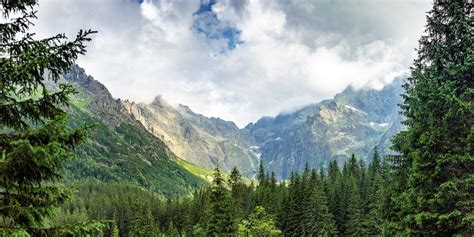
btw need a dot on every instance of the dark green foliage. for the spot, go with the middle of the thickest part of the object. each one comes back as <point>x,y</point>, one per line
<point>34,139</point>
<point>259,223</point>
<point>133,211</point>
<point>437,147</point>
<point>128,153</point>
<point>224,212</point>
<point>311,205</point>
<point>241,193</point>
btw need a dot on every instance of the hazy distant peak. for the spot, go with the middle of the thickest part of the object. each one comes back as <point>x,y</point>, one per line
<point>159,101</point>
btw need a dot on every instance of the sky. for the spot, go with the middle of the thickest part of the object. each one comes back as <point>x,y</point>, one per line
<point>240,59</point>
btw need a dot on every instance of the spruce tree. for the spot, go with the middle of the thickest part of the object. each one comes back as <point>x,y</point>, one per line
<point>373,196</point>
<point>292,218</point>
<point>438,143</point>
<point>261,177</point>
<point>354,223</point>
<point>317,220</point>
<point>238,190</point>
<point>34,140</point>
<point>223,219</point>
<point>362,182</point>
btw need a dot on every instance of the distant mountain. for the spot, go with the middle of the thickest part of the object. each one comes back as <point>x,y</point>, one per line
<point>119,148</point>
<point>355,121</point>
<point>198,139</point>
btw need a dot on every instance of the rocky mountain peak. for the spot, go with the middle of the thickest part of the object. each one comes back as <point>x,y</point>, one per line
<point>159,101</point>
<point>78,75</point>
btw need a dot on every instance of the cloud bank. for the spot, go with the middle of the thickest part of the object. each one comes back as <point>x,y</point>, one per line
<point>240,59</point>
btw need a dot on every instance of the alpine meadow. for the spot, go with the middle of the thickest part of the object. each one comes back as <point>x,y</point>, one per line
<point>309,118</point>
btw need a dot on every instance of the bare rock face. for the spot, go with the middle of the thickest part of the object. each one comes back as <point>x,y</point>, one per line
<point>198,139</point>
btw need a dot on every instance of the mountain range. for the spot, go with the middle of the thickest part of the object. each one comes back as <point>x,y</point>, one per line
<point>353,122</point>
<point>160,146</point>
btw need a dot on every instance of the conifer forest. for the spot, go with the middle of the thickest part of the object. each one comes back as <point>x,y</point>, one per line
<point>75,161</point>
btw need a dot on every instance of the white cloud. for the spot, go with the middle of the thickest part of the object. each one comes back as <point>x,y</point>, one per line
<point>294,52</point>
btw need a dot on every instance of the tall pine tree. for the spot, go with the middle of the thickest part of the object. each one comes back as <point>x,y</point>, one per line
<point>438,107</point>
<point>224,212</point>
<point>34,140</point>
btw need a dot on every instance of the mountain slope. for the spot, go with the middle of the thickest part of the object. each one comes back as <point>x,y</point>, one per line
<point>197,139</point>
<point>119,148</point>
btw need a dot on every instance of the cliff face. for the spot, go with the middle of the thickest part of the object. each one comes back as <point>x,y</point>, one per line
<point>198,139</point>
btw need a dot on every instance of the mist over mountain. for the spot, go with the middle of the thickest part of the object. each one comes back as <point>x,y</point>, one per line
<point>354,122</point>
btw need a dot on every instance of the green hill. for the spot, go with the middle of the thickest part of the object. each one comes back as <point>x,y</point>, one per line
<point>119,148</point>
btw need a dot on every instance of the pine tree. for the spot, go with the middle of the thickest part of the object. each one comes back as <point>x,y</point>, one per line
<point>292,218</point>
<point>438,142</point>
<point>317,220</point>
<point>238,189</point>
<point>354,223</point>
<point>235,178</point>
<point>362,182</point>
<point>259,223</point>
<point>337,196</point>
<point>374,186</point>
<point>142,222</point>
<point>305,199</point>
<point>34,140</point>
<point>354,168</point>
<point>224,219</point>
<point>261,177</point>
<point>385,210</point>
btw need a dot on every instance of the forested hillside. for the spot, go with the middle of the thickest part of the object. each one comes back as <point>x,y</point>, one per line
<point>119,148</point>
<point>354,200</point>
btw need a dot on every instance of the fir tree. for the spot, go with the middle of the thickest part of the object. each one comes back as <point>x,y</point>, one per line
<point>318,219</point>
<point>34,139</point>
<point>238,189</point>
<point>438,142</point>
<point>261,177</point>
<point>354,222</point>
<point>223,220</point>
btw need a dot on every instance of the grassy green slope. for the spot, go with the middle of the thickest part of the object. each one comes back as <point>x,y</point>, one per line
<point>205,173</point>
<point>127,154</point>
